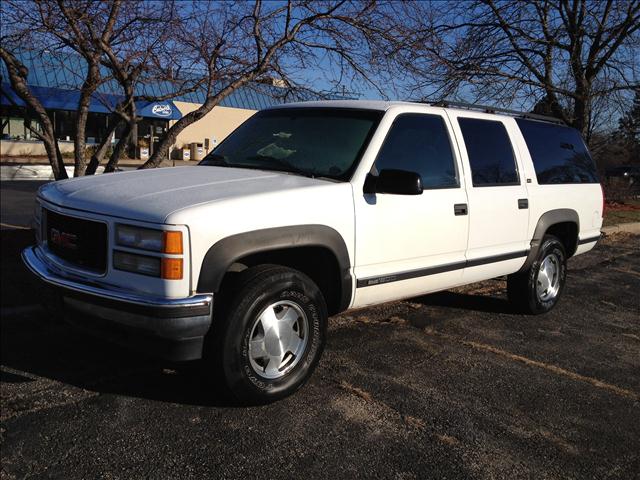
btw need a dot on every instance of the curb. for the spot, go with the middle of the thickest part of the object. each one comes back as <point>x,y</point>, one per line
<point>632,227</point>
<point>10,170</point>
<point>31,172</point>
<point>39,172</point>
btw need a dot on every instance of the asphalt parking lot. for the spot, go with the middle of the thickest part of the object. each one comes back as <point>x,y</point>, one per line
<point>451,385</point>
<point>16,207</point>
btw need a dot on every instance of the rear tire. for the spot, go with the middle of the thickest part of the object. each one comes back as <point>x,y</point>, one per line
<point>538,289</point>
<point>270,335</point>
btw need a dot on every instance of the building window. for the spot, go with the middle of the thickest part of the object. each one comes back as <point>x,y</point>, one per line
<point>12,124</point>
<point>65,125</point>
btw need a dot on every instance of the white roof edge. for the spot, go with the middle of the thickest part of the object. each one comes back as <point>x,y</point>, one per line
<point>361,104</point>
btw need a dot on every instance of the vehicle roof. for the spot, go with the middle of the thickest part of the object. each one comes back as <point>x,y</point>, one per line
<point>383,105</point>
<point>360,104</point>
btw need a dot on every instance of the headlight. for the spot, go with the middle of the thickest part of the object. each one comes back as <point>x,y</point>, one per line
<point>136,237</point>
<point>167,268</point>
<point>149,239</point>
<point>143,264</point>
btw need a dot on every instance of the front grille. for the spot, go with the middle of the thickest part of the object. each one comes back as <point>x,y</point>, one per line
<point>78,241</point>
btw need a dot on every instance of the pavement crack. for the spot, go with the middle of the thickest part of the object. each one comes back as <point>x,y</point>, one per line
<point>43,399</point>
<point>410,422</point>
<point>346,386</point>
<point>622,392</point>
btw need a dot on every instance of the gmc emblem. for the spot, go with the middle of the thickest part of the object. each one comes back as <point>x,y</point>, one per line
<point>64,239</point>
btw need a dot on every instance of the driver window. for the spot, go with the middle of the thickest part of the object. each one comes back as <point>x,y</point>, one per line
<point>419,143</point>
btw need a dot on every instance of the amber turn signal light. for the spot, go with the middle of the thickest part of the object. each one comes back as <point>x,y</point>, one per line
<point>171,268</point>
<point>172,242</point>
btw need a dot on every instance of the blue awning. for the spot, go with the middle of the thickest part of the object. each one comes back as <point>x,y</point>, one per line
<point>59,99</point>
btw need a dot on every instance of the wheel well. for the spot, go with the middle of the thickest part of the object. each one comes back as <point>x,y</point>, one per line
<point>567,233</point>
<point>318,263</point>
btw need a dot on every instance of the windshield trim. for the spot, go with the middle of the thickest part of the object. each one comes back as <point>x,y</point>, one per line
<point>374,115</point>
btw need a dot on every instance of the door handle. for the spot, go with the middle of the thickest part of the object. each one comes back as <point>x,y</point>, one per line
<point>523,203</point>
<point>460,209</point>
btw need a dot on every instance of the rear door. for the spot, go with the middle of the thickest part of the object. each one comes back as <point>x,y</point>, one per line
<point>407,245</point>
<point>497,193</point>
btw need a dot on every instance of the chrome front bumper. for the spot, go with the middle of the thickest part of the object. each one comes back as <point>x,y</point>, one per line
<point>172,328</point>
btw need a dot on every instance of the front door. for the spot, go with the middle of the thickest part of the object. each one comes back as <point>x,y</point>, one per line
<point>407,245</point>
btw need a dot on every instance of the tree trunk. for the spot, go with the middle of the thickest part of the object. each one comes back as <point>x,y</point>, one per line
<point>55,158</point>
<point>120,147</point>
<point>79,143</point>
<point>582,115</point>
<point>162,150</point>
<point>99,154</point>
<point>18,77</point>
<point>132,145</point>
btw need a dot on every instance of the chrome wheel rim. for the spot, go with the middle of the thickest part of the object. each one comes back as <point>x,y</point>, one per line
<point>278,339</point>
<point>548,278</point>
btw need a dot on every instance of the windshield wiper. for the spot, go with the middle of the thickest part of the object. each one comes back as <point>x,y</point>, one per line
<point>271,163</point>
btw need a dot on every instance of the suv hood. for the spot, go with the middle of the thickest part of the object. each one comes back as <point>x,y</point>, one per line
<point>152,195</point>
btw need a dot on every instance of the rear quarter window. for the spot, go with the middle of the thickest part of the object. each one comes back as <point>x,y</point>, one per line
<point>559,154</point>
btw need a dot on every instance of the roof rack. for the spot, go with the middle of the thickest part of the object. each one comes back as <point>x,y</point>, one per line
<point>487,109</point>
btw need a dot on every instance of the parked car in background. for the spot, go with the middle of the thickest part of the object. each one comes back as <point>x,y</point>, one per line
<point>308,210</point>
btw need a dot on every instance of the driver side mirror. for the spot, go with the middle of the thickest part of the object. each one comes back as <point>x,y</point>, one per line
<point>397,182</point>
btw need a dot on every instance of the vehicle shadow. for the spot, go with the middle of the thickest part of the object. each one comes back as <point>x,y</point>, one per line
<point>465,301</point>
<point>34,346</point>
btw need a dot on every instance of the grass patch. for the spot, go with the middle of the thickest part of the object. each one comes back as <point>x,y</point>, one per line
<point>626,212</point>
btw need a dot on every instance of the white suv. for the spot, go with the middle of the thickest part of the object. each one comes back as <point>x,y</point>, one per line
<point>308,210</point>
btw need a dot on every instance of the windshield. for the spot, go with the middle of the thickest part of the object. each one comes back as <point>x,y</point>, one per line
<point>316,142</point>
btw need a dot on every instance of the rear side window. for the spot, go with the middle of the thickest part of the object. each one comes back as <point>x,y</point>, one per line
<point>559,155</point>
<point>490,152</point>
<point>419,143</point>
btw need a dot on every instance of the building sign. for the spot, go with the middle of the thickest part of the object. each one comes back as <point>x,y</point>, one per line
<point>161,109</point>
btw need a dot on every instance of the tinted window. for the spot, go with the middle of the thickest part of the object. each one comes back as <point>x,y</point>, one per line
<point>419,143</point>
<point>311,141</point>
<point>559,155</point>
<point>490,152</point>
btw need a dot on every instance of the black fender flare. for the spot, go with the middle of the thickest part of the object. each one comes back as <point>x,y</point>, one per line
<point>227,251</point>
<point>548,219</point>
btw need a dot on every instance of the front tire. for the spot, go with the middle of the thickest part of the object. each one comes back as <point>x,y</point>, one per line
<point>271,334</point>
<point>538,289</point>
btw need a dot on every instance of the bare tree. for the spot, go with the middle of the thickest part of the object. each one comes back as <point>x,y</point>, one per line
<point>214,48</point>
<point>78,25</point>
<point>237,44</point>
<point>57,26</point>
<point>106,35</point>
<point>18,78</point>
<point>144,65</point>
<point>566,56</point>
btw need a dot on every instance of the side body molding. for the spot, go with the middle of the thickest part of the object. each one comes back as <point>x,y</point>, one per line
<point>548,219</point>
<point>225,252</point>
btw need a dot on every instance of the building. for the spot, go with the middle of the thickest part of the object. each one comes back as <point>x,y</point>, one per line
<point>56,81</point>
